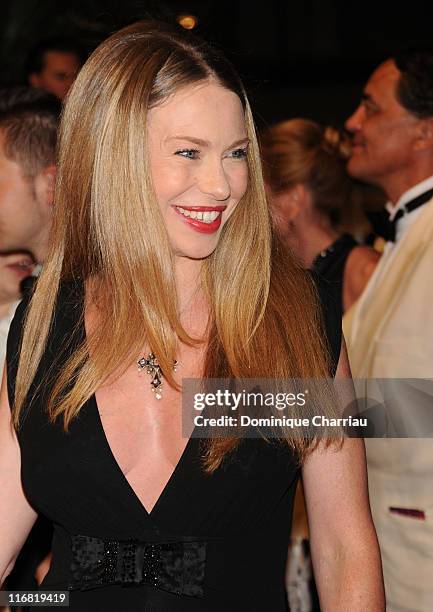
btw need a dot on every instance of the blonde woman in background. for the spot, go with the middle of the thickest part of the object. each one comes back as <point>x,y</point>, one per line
<point>162,256</point>
<point>311,197</point>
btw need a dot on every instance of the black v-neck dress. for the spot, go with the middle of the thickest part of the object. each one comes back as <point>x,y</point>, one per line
<point>211,542</point>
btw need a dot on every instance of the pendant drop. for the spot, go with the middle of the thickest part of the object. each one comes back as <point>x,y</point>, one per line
<point>152,367</point>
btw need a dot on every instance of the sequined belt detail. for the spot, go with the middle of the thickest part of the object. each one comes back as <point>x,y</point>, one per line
<point>177,567</point>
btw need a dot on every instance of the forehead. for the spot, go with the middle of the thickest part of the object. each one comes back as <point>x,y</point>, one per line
<point>205,110</point>
<point>382,84</point>
<point>60,59</point>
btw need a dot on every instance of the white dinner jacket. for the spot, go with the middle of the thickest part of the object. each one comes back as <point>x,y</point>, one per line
<point>389,334</point>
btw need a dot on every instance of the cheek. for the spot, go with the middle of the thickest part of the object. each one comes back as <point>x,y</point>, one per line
<point>238,179</point>
<point>8,197</point>
<point>10,282</point>
<point>390,146</point>
<point>384,133</point>
<point>169,182</point>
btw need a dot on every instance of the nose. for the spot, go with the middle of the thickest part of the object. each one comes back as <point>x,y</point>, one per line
<point>213,180</point>
<point>354,122</point>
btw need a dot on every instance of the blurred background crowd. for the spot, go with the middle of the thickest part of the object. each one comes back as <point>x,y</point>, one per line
<point>305,66</point>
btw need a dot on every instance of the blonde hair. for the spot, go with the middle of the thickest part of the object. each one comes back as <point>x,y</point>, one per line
<point>262,324</point>
<point>302,151</point>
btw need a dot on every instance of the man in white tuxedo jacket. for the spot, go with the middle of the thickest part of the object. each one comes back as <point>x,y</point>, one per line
<point>389,331</point>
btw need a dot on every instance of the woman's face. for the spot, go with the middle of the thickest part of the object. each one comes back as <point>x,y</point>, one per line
<point>14,268</point>
<point>198,145</point>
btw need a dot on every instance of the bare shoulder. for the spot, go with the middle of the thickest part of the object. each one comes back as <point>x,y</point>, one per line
<point>363,260</point>
<point>360,265</point>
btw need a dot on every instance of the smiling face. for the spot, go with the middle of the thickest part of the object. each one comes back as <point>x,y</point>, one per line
<point>198,146</point>
<point>384,131</point>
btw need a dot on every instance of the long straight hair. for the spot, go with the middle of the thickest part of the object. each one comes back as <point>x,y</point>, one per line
<point>108,229</point>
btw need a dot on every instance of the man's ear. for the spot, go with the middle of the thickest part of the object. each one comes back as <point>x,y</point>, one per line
<point>50,183</point>
<point>424,140</point>
<point>44,186</point>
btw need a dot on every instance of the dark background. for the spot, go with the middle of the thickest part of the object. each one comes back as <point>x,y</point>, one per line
<point>307,58</point>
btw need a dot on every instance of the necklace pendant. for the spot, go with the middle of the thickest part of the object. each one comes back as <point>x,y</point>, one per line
<point>152,367</point>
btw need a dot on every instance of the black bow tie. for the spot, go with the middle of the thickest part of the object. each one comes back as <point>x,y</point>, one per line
<point>386,228</point>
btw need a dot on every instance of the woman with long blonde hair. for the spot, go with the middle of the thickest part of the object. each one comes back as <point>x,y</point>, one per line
<point>162,260</point>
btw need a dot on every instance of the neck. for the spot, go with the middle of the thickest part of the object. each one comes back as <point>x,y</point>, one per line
<point>401,182</point>
<point>309,240</point>
<point>188,275</point>
<point>5,308</point>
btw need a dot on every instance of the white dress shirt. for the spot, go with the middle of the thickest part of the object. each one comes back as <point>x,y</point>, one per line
<point>4,329</point>
<point>412,193</point>
<point>391,248</point>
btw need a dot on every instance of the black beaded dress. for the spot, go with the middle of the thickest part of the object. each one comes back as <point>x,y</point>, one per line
<point>210,544</point>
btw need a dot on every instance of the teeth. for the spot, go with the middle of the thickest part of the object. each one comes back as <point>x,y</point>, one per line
<point>205,217</point>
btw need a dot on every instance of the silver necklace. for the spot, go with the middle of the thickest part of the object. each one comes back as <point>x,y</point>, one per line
<point>152,367</point>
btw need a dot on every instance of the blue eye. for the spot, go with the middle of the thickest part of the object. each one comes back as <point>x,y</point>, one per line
<point>239,153</point>
<point>188,153</point>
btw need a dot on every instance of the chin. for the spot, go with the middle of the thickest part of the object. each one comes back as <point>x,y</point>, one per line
<point>357,169</point>
<point>197,252</point>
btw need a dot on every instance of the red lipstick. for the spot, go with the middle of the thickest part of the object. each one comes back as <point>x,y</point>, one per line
<point>201,226</point>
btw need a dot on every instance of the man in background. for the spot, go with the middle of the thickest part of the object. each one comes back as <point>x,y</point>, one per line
<point>389,331</point>
<point>28,134</point>
<point>52,65</point>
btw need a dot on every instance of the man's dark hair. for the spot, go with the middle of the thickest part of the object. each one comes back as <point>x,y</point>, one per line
<point>415,87</point>
<point>36,55</point>
<point>29,119</point>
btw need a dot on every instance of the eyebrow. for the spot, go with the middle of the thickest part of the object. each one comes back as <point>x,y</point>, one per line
<point>205,143</point>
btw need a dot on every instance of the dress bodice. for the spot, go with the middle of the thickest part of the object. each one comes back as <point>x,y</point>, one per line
<point>211,542</point>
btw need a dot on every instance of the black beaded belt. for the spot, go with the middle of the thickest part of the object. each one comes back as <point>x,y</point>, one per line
<point>177,567</point>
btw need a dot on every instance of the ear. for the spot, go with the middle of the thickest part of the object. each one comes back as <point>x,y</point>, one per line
<point>283,208</point>
<point>299,200</point>
<point>424,139</point>
<point>45,184</point>
<point>50,183</point>
<point>287,205</point>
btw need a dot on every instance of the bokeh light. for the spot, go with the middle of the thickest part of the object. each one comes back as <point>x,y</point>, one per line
<point>187,21</point>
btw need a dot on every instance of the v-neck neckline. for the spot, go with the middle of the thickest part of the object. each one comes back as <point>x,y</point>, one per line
<point>122,477</point>
<point>169,485</point>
